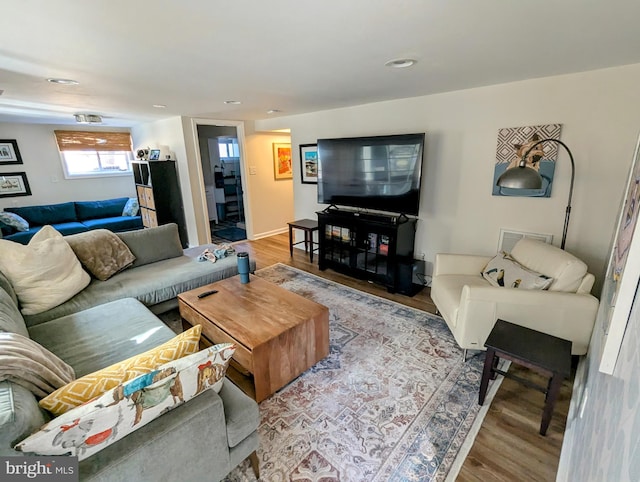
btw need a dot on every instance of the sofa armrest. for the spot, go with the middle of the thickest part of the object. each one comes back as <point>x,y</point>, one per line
<point>20,416</point>
<point>446,263</point>
<point>566,315</point>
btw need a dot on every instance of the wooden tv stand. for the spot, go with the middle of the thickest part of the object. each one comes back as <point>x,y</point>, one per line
<point>375,247</point>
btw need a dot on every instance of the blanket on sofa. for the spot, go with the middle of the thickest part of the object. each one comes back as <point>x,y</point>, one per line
<point>28,364</point>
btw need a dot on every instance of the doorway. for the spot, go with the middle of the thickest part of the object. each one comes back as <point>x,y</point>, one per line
<point>220,156</point>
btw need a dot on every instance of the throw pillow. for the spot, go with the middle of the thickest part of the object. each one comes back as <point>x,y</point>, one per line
<point>14,221</point>
<point>44,273</point>
<point>30,365</point>
<point>504,270</point>
<point>90,428</point>
<point>95,384</point>
<point>101,252</point>
<point>131,208</point>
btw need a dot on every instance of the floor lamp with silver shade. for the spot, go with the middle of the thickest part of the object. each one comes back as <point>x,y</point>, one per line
<point>523,177</point>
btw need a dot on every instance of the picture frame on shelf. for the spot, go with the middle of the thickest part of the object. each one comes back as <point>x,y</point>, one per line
<point>13,184</point>
<point>309,163</point>
<point>9,152</point>
<point>282,167</point>
<point>623,271</point>
<point>154,155</point>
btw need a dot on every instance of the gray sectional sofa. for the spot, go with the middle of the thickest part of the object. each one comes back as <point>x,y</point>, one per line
<point>109,321</point>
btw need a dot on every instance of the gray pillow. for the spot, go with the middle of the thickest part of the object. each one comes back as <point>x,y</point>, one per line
<point>149,245</point>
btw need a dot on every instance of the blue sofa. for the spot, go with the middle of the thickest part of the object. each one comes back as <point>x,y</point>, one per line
<point>72,218</point>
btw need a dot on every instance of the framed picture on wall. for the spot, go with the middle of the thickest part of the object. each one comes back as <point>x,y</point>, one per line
<point>14,184</point>
<point>623,271</point>
<point>9,152</point>
<point>282,167</point>
<point>309,163</point>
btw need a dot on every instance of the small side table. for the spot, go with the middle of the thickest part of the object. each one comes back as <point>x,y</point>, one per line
<point>545,354</point>
<point>308,226</point>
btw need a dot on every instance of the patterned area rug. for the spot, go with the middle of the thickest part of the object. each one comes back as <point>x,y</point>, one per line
<point>392,401</point>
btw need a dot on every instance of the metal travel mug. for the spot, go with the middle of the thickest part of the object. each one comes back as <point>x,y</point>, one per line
<point>243,267</point>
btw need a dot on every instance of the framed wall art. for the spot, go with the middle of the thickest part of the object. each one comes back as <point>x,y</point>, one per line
<point>282,167</point>
<point>309,163</point>
<point>623,271</point>
<point>14,184</point>
<point>9,152</point>
<point>513,143</point>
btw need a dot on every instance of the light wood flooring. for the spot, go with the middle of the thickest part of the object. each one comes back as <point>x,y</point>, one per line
<point>508,446</point>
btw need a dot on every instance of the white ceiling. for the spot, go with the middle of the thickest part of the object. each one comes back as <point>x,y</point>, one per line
<point>296,56</point>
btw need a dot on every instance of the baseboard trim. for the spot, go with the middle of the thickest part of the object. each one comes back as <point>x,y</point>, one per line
<point>270,233</point>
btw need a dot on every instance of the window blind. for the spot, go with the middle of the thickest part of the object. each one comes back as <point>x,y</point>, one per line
<point>93,141</point>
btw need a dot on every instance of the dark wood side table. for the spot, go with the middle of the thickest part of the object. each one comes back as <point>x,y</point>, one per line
<point>308,226</point>
<point>545,354</point>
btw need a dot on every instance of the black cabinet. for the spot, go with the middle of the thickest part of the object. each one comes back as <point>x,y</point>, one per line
<point>374,247</point>
<point>159,195</point>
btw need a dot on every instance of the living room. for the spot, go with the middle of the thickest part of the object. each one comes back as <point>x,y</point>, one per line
<point>596,106</point>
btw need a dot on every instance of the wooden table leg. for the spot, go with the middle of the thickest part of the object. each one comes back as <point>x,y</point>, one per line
<point>486,374</point>
<point>552,396</point>
<point>306,240</point>
<point>291,240</point>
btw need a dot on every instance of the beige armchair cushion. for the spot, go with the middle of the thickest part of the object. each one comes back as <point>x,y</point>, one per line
<point>566,270</point>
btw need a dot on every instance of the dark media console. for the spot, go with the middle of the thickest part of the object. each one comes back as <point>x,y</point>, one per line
<point>375,247</point>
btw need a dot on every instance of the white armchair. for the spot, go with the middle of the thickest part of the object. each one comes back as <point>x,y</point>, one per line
<point>470,305</point>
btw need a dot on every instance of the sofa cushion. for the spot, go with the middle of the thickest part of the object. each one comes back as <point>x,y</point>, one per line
<point>502,270</point>
<point>30,365</point>
<point>88,429</point>
<point>115,224</point>
<point>566,270</point>
<point>101,336</point>
<point>153,244</point>
<point>100,209</point>
<point>46,213</point>
<point>101,252</point>
<point>151,284</point>
<point>95,384</point>
<point>14,221</point>
<point>132,207</point>
<point>20,415</point>
<point>45,273</point>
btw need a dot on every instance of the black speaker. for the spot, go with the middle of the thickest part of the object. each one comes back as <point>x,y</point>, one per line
<point>408,275</point>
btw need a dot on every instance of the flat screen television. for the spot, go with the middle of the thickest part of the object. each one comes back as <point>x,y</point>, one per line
<point>381,172</point>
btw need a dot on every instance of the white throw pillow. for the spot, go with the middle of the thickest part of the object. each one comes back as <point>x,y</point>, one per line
<point>505,271</point>
<point>91,427</point>
<point>45,273</point>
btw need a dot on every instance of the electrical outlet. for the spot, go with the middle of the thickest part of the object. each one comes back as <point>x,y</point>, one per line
<point>252,170</point>
<point>423,256</point>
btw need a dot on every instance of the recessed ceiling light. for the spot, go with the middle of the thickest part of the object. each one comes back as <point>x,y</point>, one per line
<point>160,106</point>
<point>63,81</point>
<point>400,63</point>
<point>273,111</point>
<point>232,102</point>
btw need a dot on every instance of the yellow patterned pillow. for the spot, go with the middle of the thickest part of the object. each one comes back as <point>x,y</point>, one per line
<point>95,384</point>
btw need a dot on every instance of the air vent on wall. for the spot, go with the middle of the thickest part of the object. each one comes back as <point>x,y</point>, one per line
<point>509,238</point>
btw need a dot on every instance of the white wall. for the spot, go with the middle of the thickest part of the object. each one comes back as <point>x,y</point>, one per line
<point>600,114</point>
<point>271,201</point>
<point>170,133</point>
<point>42,164</point>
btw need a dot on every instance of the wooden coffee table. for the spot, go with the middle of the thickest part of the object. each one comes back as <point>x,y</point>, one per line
<point>278,334</point>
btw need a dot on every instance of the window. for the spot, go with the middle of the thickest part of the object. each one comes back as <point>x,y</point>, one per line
<point>228,148</point>
<point>94,154</point>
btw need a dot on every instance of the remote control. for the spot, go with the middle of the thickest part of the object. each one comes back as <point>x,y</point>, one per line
<point>207,293</point>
